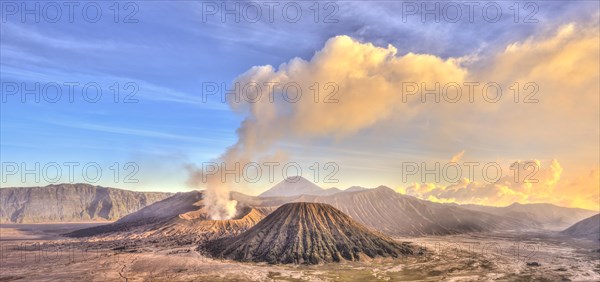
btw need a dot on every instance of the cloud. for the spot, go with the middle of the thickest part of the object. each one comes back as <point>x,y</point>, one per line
<point>527,182</point>
<point>63,41</point>
<point>524,182</point>
<point>457,157</point>
<point>367,83</point>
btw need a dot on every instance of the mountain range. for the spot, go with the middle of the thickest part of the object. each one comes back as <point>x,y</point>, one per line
<point>71,203</point>
<point>183,214</point>
<point>396,214</point>
<point>381,209</point>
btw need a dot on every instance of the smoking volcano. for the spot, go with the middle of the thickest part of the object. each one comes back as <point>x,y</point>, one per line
<point>306,233</point>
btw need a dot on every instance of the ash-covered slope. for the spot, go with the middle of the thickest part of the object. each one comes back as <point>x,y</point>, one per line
<point>308,233</point>
<point>588,228</point>
<point>158,212</point>
<point>179,218</point>
<point>395,214</point>
<point>71,203</point>
<point>548,216</point>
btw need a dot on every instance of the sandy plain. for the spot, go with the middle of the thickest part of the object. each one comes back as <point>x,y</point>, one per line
<point>37,252</point>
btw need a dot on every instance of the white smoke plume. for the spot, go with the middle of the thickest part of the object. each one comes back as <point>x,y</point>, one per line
<point>364,80</point>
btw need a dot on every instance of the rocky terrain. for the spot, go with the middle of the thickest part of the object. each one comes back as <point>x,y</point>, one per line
<point>39,253</point>
<point>588,228</point>
<point>306,233</point>
<point>71,203</point>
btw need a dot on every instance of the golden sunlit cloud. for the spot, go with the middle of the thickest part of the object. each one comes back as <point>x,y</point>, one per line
<point>534,183</point>
<point>348,86</point>
<point>457,157</point>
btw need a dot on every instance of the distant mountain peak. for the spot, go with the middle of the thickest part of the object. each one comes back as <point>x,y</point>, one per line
<point>297,178</point>
<point>384,188</point>
<point>293,186</point>
<point>356,189</point>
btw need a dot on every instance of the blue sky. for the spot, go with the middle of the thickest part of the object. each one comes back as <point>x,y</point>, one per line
<point>170,52</point>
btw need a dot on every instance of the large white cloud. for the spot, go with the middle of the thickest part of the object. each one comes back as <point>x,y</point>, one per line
<point>369,82</point>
